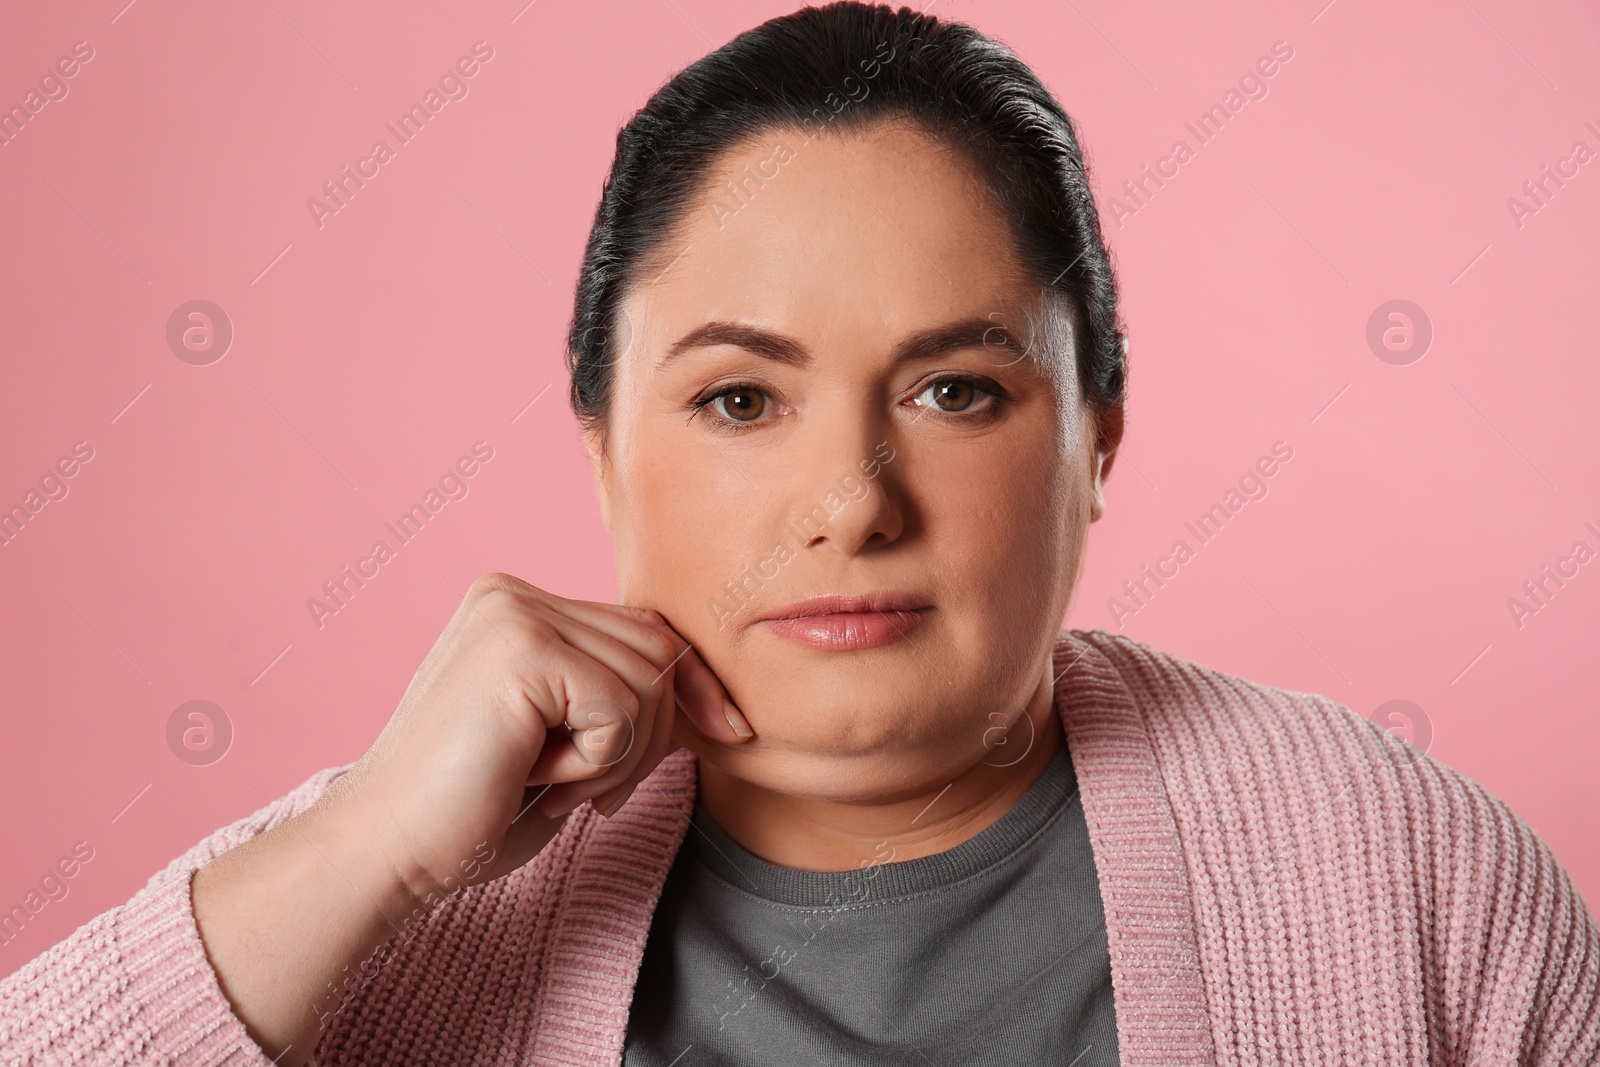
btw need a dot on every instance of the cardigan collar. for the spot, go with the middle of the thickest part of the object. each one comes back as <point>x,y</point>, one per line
<point>1144,882</point>
<point>605,876</point>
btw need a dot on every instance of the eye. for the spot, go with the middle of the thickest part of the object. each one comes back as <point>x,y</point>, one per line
<point>953,394</point>
<point>738,407</point>
<point>960,395</point>
<point>741,404</point>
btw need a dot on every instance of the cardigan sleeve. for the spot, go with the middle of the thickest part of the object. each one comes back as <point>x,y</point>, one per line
<point>1517,949</point>
<point>133,985</point>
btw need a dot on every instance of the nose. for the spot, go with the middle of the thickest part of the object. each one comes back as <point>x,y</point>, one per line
<point>850,498</point>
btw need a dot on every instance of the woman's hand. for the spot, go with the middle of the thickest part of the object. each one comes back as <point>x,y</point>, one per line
<point>527,705</point>
<point>479,747</point>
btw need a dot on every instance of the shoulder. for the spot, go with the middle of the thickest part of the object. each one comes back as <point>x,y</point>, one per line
<point>1297,813</point>
<point>1210,721</point>
<point>1299,775</point>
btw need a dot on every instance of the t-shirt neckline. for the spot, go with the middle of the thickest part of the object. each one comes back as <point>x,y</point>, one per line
<point>1049,795</point>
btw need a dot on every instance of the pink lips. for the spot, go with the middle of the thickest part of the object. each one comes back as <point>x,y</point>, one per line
<point>837,623</point>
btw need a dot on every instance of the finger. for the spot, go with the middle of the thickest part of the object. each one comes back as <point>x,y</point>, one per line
<point>639,628</point>
<point>572,689</point>
<point>631,658</point>
<point>706,703</point>
<point>604,736</point>
<point>653,741</point>
<point>600,736</point>
<point>660,744</point>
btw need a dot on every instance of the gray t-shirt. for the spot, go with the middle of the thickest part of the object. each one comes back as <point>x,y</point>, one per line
<point>992,952</point>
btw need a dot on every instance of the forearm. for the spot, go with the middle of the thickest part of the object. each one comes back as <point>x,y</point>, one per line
<point>288,917</point>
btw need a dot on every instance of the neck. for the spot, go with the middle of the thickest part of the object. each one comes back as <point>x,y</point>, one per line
<point>812,834</point>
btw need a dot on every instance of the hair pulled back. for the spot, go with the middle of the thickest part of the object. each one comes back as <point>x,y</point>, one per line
<point>843,67</point>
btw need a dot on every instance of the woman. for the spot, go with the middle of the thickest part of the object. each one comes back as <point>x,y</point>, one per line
<point>829,784</point>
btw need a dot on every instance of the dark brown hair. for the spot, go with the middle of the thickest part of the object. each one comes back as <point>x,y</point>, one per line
<point>805,71</point>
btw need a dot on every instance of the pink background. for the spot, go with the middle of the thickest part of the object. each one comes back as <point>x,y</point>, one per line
<point>369,354</point>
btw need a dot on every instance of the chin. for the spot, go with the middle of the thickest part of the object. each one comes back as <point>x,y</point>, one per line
<point>796,771</point>
<point>839,715</point>
<point>850,732</point>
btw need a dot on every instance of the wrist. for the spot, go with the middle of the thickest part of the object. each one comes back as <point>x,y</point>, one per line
<point>398,883</point>
<point>360,879</point>
<point>289,921</point>
<point>354,841</point>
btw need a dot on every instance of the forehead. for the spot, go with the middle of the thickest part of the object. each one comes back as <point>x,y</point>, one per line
<point>866,234</point>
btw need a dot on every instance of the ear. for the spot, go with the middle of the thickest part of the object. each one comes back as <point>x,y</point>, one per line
<point>594,446</point>
<point>1108,439</point>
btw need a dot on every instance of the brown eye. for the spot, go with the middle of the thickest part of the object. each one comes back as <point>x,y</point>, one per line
<point>953,394</point>
<point>742,405</point>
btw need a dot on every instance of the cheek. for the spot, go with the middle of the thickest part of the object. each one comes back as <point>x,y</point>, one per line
<point>691,523</point>
<point>1013,531</point>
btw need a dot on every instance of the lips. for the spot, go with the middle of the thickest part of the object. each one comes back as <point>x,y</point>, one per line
<point>830,622</point>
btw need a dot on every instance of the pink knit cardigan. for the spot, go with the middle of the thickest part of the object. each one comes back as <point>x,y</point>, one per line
<point>1283,883</point>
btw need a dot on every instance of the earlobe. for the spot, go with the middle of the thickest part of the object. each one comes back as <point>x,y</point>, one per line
<point>594,447</point>
<point>605,503</point>
<point>1108,441</point>
<point>1097,499</point>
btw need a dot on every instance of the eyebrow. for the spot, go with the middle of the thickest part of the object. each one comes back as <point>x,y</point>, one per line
<point>924,344</point>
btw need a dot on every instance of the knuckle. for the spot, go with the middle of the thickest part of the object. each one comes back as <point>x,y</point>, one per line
<point>499,594</point>
<point>597,714</point>
<point>650,615</point>
<point>493,581</point>
<point>538,637</point>
<point>629,702</point>
<point>599,699</point>
<point>661,648</point>
<point>496,603</point>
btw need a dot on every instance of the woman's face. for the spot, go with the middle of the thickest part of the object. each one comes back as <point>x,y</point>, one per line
<point>842,382</point>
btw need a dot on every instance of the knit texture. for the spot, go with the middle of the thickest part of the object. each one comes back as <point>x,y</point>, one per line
<point>1283,883</point>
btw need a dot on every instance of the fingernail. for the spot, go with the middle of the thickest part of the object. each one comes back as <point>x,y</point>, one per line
<point>596,714</point>
<point>556,811</point>
<point>736,720</point>
<point>596,726</point>
<point>611,806</point>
